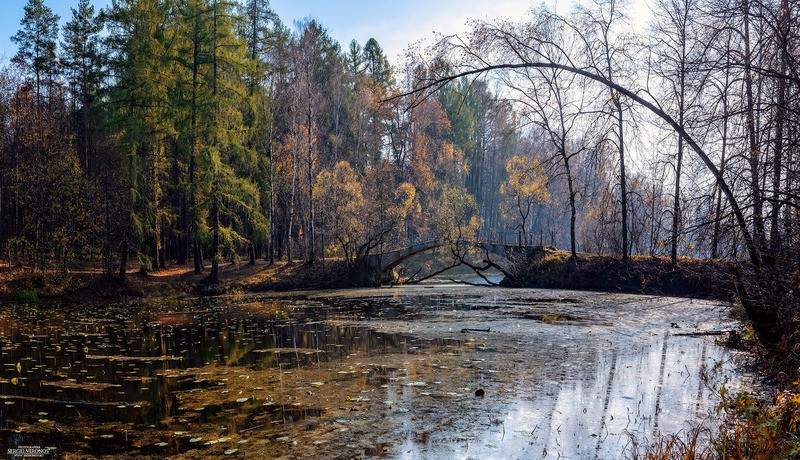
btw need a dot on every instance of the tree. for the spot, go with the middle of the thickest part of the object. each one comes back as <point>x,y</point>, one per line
<point>340,201</point>
<point>500,53</point>
<point>375,63</point>
<point>677,53</point>
<point>37,41</point>
<point>605,48</point>
<point>525,187</point>
<point>82,61</point>
<point>139,44</point>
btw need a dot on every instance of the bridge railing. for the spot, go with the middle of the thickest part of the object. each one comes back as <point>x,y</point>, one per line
<point>476,243</point>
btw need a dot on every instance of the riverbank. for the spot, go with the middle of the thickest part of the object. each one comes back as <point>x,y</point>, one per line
<point>696,278</point>
<point>87,284</point>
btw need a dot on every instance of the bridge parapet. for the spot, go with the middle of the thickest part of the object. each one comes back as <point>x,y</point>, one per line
<point>388,261</point>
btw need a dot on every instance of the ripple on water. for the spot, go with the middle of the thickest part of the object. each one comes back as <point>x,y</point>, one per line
<point>366,372</point>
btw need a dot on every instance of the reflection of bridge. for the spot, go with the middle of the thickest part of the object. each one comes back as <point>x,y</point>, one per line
<point>388,261</point>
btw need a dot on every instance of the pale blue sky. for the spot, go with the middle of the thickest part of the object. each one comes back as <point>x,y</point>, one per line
<point>395,24</point>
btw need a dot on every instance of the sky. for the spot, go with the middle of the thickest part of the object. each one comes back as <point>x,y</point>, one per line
<point>394,24</point>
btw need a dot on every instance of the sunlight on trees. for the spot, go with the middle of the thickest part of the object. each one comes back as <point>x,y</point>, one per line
<point>525,187</point>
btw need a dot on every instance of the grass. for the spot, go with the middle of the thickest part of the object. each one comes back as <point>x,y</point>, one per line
<point>701,278</point>
<point>751,430</point>
<point>27,297</point>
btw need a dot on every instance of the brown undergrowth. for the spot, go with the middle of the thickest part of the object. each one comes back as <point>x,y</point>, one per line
<point>753,429</point>
<point>25,285</point>
<point>698,278</point>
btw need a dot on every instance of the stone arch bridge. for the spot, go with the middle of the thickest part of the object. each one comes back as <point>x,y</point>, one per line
<point>386,262</point>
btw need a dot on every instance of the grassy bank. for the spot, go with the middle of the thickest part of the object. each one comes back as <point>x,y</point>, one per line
<point>700,278</point>
<point>25,285</point>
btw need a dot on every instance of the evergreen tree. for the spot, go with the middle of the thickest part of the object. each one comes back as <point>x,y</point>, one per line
<point>81,55</point>
<point>37,46</point>
<point>81,59</point>
<point>141,50</point>
<point>377,66</point>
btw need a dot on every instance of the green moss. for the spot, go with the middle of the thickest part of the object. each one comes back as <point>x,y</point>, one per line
<point>27,297</point>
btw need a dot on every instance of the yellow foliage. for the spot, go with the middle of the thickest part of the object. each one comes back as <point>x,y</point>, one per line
<point>526,180</point>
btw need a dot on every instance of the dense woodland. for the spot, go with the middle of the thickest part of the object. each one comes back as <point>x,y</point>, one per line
<point>221,134</point>
<point>161,132</point>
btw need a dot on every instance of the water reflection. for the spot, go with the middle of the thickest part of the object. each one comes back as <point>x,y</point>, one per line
<point>360,373</point>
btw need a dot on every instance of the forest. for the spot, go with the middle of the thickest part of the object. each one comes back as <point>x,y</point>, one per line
<point>156,133</point>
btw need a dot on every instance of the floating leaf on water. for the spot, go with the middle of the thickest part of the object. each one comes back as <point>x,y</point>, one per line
<point>86,349</point>
<point>9,403</point>
<point>223,439</point>
<point>15,381</point>
<point>283,439</point>
<point>242,400</point>
<point>195,440</point>
<point>243,441</point>
<point>44,420</point>
<point>180,433</point>
<point>19,367</point>
<point>107,436</point>
<point>200,409</point>
<point>316,384</point>
<point>231,451</point>
<point>42,413</point>
<point>58,348</point>
<point>210,443</point>
<point>161,444</point>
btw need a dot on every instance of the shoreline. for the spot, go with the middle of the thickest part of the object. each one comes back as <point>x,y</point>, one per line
<point>693,278</point>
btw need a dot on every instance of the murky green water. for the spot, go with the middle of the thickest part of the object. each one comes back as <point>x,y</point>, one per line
<point>389,372</point>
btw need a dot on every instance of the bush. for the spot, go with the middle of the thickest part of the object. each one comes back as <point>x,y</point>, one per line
<point>27,298</point>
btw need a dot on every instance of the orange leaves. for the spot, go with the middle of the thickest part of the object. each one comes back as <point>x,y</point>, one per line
<point>526,179</point>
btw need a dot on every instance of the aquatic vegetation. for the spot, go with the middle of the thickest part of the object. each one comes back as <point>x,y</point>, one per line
<point>358,371</point>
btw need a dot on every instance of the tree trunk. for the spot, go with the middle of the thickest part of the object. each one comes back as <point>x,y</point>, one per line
<point>753,158</point>
<point>123,262</point>
<point>213,277</point>
<point>622,179</point>
<point>780,117</point>
<point>310,160</point>
<point>572,208</point>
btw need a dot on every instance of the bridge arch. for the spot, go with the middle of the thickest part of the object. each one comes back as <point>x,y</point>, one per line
<point>388,261</point>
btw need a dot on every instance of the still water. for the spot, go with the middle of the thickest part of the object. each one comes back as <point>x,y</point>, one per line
<point>390,372</point>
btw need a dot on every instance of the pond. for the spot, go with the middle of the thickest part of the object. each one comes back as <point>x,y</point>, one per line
<point>429,371</point>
